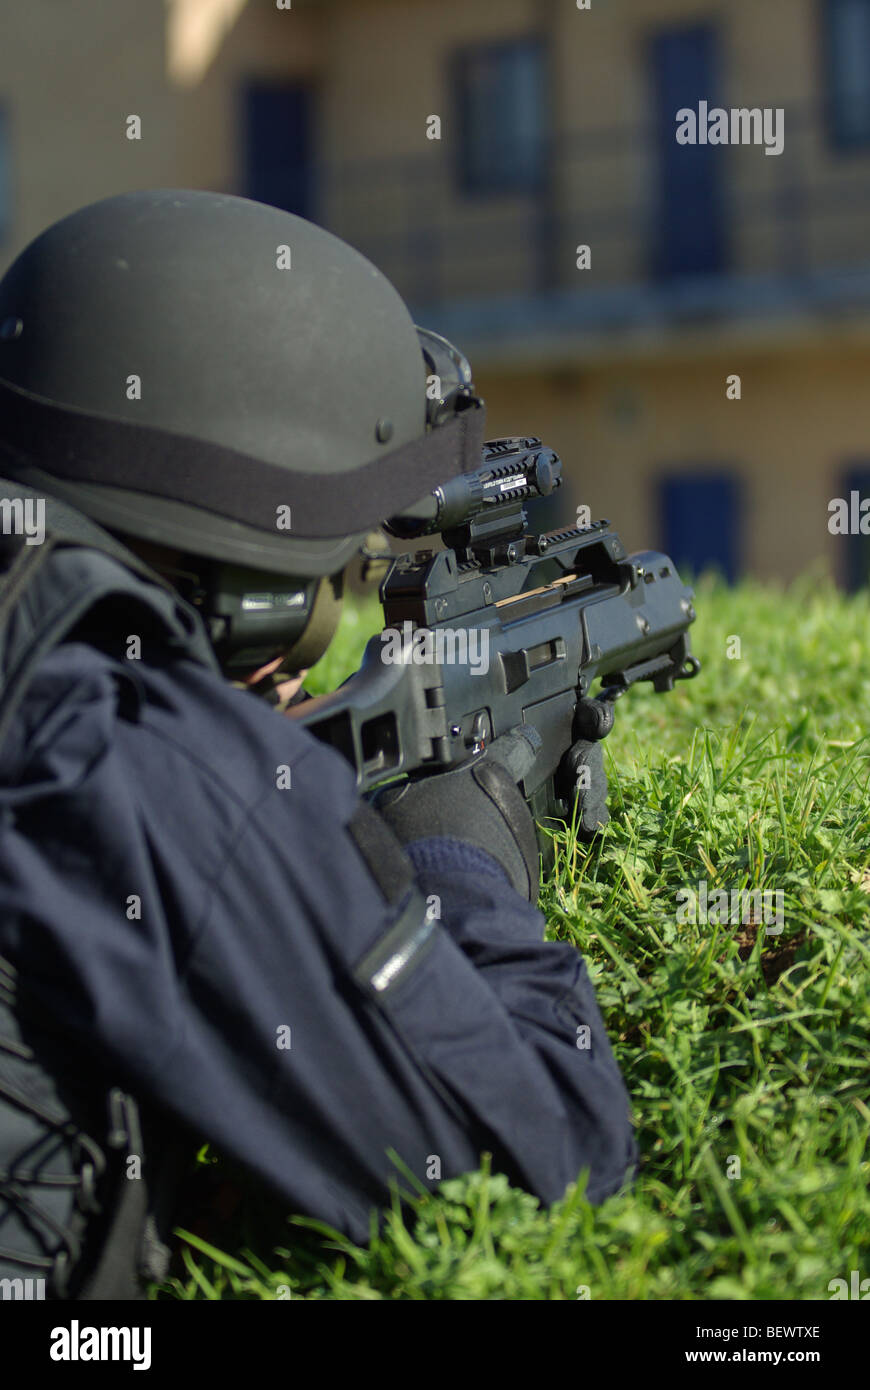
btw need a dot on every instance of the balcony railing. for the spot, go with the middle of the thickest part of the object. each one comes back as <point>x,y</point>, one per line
<point>770,219</point>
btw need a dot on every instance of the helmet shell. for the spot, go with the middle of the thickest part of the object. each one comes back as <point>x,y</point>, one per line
<point>245,327</point>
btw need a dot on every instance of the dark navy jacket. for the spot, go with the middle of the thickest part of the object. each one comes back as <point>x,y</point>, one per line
<point>177,911</point>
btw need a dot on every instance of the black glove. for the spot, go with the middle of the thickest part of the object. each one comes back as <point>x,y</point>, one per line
<point>582,778</point>
<point>478,802</point>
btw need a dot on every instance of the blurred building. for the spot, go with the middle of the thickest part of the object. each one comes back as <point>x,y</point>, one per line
<point>72,72</point>
<point>472,150</point>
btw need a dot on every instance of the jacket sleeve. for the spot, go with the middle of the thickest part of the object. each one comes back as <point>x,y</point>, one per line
<point>184,901</point>
<point>545,989</point>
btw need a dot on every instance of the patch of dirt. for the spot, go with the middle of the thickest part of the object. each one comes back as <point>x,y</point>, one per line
<point>776,959</point>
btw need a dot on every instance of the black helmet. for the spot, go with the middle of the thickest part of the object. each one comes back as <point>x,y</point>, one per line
<point>219,376</point>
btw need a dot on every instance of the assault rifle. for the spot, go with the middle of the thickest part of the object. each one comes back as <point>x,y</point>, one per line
<point>551,612</point>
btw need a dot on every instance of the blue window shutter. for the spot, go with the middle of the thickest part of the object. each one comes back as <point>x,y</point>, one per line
<point>855,565</point>
<point>277,123</point>
<point>501,115</point>
<point>689,234</point>
<point>700,515</point>
<point>847,52</point>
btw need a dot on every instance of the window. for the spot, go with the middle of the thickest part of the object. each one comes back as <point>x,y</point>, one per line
<point>5,179</point>
<point>689,231</point>
<point>847,24</point>
<point>700,515</point>
<point>855,564</point>
<point>501,115</point>
<point>277,125</point>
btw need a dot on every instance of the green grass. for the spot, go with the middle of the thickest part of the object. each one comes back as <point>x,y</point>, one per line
<point>734,1043</point>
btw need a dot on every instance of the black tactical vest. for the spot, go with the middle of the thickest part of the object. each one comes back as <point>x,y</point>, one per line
<point>72,1222</point>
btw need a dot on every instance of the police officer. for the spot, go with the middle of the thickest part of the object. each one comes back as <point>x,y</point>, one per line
<point>203,932</point>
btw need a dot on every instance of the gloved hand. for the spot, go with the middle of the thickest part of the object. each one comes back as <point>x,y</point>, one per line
<point>478,802</point>
<point>583,778</point>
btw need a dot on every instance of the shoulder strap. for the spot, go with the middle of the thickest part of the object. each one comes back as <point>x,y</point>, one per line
<point>48,588</point>
<point>102,1245</point>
